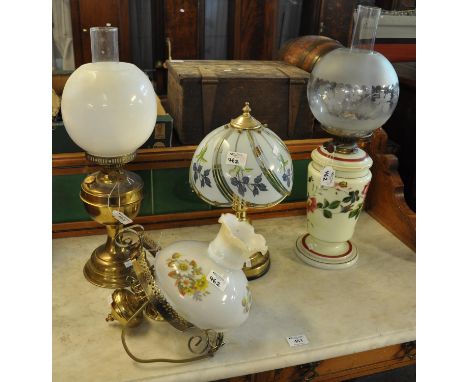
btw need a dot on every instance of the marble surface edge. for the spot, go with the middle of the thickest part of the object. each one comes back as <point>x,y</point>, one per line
<point>283,361</point>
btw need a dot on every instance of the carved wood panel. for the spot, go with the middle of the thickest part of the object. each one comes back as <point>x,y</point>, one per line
<point>254,29</point>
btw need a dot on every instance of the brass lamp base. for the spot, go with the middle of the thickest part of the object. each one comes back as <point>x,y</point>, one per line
<point>107,270</point>
<point>259,265</point>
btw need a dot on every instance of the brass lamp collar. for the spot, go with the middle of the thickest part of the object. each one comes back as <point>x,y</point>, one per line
<point>346,145</point>
<point>245,121</point>
<point>341,145</point>
<point>111,161</point>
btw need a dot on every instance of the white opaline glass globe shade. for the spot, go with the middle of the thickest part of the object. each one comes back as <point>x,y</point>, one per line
<point>109,108</point>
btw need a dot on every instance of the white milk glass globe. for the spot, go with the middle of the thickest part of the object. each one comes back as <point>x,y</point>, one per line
<point>109,108</point>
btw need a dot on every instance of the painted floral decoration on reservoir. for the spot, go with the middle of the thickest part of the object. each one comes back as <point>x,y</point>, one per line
<point>247,300</point>
<point>198,171</point>
<point>348,204</point>
<point>190,280</point>
<point>240,180</point>
<point>311,204</point>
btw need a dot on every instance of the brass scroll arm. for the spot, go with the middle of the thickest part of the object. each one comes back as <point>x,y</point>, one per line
<point>213,340</point>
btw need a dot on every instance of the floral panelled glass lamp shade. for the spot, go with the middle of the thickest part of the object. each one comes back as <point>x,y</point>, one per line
<point>109,110</point>
<point>351,92</point>
<point>243,164</point>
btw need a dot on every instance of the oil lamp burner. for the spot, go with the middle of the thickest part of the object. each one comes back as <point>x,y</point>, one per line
<point>242,165</point>
<point>109,110</point>
<point>351,92</point>
<point>191,284</point>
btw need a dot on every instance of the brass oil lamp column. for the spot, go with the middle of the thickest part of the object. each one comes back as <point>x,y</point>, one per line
<point>105,194</point>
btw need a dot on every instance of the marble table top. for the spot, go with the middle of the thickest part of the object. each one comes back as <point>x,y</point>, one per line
<point>368,306</point>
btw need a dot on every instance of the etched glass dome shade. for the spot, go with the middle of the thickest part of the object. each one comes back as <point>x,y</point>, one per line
<point>242,159</point>
<point>354,91</point>
<point>108,107</point>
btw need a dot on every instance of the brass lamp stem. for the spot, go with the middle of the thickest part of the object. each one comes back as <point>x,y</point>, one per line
<point>241,215</point>
<point>259,263</point>
<point>112,231</point>
<point>240,208</point>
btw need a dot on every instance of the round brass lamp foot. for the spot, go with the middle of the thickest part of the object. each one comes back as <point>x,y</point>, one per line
<point>107,270</point>
<point>259,266</point>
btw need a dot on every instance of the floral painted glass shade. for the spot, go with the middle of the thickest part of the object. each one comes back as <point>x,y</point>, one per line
<point>184,271</point>
<point>243,158</point>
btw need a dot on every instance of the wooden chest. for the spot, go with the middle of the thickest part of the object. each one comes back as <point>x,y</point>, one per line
<point>203,95</point>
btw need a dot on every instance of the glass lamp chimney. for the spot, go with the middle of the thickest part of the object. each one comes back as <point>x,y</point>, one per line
<point>104,44</point>
<point>365,28</point>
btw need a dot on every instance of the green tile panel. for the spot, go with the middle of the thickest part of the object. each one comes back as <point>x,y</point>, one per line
<point>66,203</point>
<point>299,190</point>
<point>146,207</point>
<point>172,192</point>
<point>166,191</point>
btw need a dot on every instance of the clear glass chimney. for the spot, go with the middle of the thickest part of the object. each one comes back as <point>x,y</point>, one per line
<point>104,44</point>
<point>365,28</point>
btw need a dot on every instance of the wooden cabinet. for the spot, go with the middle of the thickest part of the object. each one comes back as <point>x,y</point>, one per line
<point>340,368</point>
<point>88,13</point>
<point>401,130</point>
